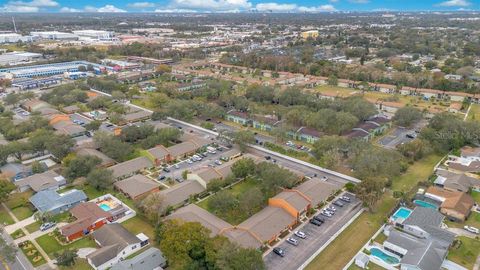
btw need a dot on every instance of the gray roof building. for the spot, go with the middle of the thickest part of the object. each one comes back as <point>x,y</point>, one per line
<point>151,258</point>
<point>136,186</point>
<point>130,167</point>
<point>455,181</point>
<point>49,201</point>
<point>41,181</point>
<point>105,160</point>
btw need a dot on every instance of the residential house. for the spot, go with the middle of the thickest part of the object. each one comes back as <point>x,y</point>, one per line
<point>50,201</point>
<point>41,181</point>
<point>151,258</point>
<point>471,153</point>
<point>191,86</point>
<point>370,128</point>
<point>34,105</point>
<point>463,165</point>
<point>455,181</point>
<point>180,194</point>
<point>168,154</point>
<point>456,205</point>
<point>135,116</point>
<point>420,242</point>
<point>70,109</point>
<point>89,217</point>
<point>308,135</point>
<point>130,167</point>
<point>265,122</point>
<point>115,244</point>
<point>137,186</point>
<point>238,117</point>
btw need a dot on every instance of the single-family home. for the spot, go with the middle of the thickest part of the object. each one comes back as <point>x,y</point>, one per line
<point>130,167</point>
<point>50,201</point>
<point>41,181</point>
<point>180,194</point>
<point>164,154</point>
<point>420,242</point>
<point>89,217</point>
<point>455,181</point>
<point>265,122</point>
<point>33,105</point>
<point>106,161</point>
<point>115,244</point>
<point>456,205</point>
<point>151,258</point>
<point>137,186</point>
<point>472,153</point>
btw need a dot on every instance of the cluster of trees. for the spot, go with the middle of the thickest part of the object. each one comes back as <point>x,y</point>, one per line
<point>38,142</point>
<point>79,166</point>
<point>113,146</point>
<point>65,95</point>
<point>148,137</point>
<point>189,246</point>
<point>106,84</point>
<point>407,116</point>
<point>12,131</point>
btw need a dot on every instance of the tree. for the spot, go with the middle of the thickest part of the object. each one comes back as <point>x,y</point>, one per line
<point>12,98</point>
<point>370,190</point>
<point>5,188</point>
<point>243,167</point>
<point>151,207</point>
<point>162,68</point>
<point>112,146</point>
<point>66,258</point>
<point>407,116</point>
<point>222,202</point>
<point>81,166</point>
<point>94,125</point>
<point>332,80</point>
<point>37,167</point>
<point>232,257</point>
<point>100,179</point>
<point>7,251</point>
<point>243,138</point>
<point>250,201</point>
<point>59,145</point>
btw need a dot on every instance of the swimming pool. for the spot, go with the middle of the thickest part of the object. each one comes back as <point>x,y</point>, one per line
<point>425,204</point>
<point>402,212</point>
<point>105,207</point>
<point>383,256</point>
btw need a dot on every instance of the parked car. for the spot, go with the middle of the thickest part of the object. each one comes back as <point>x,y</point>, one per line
<point>166,169</point>
<point>338,203</point>
<point>411,135</point>
<point>280,252</point>
<point>331,208</point>
<point>472,229</point>
<point>47,225</point>
<point>324,178</point>
<point>204,154</point>
<point>218,162</point>
<point>319,218</point>
<point>161,177</point>
<point>300,234</point>
<point>179,180</point>
<point>176,166</point>
<point>345,199</point>
<point>315,222</point>
<point>268,157</point>
<point>327,214</point>
<point>292,241</point>
<point>189,161</point>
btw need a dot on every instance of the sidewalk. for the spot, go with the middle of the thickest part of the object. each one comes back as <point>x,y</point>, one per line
<point>19,224</point>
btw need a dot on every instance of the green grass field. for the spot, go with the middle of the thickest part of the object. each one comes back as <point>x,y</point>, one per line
<point>138,225</point>
<point>33,227</point>
<point>80,264</point>
<point>476,196</point>
<point>473,220</point>
<point>350,241</point>
<point>465,254</point>
<point>5,218</point>
<point>51,246</point>
<point>22,212</point>
<point>474,114</point>
<point>32,254</point>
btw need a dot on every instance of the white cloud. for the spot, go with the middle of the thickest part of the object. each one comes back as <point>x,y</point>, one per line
<point>69,10</point>
<point>141,5</point>
<point>175,10</point>
<point>455,3</point>
<point>276,7</point>
<point>32,6</point>
<point>105,9</point>
<point>213,5</point>
<point>359,1</point>
<point>17,8</point>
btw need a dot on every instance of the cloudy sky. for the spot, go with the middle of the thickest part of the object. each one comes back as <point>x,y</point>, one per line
<point>234,5</point>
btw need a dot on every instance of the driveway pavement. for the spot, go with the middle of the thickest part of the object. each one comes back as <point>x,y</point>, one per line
<point>317,236</point>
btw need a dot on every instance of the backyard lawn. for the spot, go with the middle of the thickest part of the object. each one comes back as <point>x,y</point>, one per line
<point>19,205</point>
<point>5,218</point>
<point>22,212</point>
<point>80,264</point>
<point>137,225</point>
<point>51,246</point>
<point>233,217</point>
<point>476,196</point>
<point>473,220</point>
<point>466,253</point>
<point>350,241</point>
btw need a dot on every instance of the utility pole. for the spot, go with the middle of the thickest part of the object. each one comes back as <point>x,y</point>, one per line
<point>14,26</point>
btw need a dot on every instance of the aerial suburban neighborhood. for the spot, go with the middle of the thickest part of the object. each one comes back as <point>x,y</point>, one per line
<point>252,136</point>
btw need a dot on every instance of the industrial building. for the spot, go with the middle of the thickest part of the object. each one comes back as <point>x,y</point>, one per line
<point>53,35</point>
<point>14,38</point>
<point>16,58</point>
<point>95,34</point>
<point>49,69</point>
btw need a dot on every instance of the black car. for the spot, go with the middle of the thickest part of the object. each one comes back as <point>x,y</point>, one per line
<point>319,218</point>
<point>338,203</point>
<point>280,252</point>
<point>315,222</point>
<point>268,157</point>
<point>166,169</point>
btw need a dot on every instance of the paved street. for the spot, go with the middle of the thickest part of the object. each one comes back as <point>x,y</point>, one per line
<point>316,237</point>
<point>399,135</point>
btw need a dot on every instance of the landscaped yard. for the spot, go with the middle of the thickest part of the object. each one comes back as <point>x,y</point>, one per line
<point>22,212</point>
<point>350,241</point>
<point>19,205</point>
<point>138,225</point>
<point>5,218</point>
<point>474,114</point>
<point>465,253</point>
<point>32,253</point>
<point>476,196</point>
<point>33,227</point>
<point>234,217</point>
<point>80,264</point>
<point>51,246</point>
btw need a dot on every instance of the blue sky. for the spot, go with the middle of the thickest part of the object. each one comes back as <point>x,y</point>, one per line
<point>234,5</point>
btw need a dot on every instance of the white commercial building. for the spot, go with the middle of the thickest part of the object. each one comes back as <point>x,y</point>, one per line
<point>13,38</point>
<point>16,58</point>
<point>95,34</point>
<point>54,35</point>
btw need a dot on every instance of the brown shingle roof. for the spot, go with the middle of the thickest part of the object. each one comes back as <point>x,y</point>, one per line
<point>455,200</point>
<point>136,185</point>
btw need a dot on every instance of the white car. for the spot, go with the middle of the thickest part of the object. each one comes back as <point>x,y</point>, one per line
<point>472,229</point>
<point>300,234</point>
<point>189,161</point>
<point>292,241</point>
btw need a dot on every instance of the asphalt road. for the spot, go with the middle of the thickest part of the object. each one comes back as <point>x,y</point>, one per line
<point>317,236</point>
<point>20,263</point>
<point>399,135</point>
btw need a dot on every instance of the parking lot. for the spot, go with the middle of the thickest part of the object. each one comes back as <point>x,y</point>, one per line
<point>401,135</point>
<point>316,236</point>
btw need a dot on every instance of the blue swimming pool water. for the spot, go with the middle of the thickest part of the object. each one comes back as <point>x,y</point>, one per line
<point>402,212</point>
<point>425,204</point>
<point>383,256</point>
<point>105,207</point>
